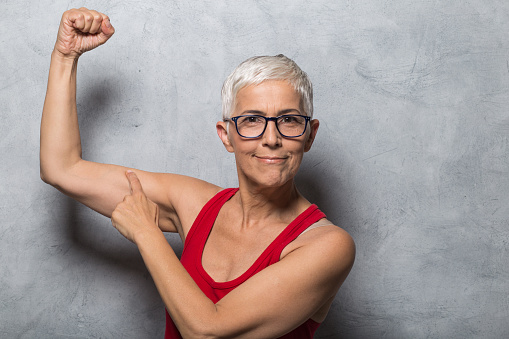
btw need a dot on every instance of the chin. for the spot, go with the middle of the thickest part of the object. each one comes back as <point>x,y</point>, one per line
<point>274,182</point>
<point>267,176</point>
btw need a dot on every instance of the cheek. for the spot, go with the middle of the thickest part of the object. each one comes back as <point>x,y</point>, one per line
<point>297,160</point>
<point>243,154</point>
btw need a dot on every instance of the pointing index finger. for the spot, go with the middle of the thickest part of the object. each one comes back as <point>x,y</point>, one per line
<point>134,182</point>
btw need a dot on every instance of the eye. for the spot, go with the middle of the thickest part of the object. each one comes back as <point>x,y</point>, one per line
<point>291,119</point>
<point>251,119</point>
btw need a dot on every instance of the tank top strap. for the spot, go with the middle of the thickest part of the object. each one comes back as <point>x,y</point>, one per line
<point>205,220</point>
<point>307,218</point>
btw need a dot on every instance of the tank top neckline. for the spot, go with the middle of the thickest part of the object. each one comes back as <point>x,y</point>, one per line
<point>277,241</point>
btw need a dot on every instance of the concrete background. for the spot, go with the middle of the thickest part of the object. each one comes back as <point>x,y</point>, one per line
<point>412,157</point>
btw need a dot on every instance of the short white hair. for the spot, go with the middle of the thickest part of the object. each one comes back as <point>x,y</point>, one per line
<point>257,69</point>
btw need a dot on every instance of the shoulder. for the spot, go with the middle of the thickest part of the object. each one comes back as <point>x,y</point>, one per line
<point>181,188</point>
<point>332,239</point>
<point>329,247</point>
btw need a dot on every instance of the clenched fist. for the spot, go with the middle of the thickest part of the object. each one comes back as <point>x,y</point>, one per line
<point>82,30</point>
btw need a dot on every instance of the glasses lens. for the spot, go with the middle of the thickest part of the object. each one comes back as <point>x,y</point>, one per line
<point>250,126</point>
<point>291,125</point>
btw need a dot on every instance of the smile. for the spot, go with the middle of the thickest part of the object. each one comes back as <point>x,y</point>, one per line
<point>270,159</point>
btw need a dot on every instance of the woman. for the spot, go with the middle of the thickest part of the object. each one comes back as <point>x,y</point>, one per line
<point>259,261</point>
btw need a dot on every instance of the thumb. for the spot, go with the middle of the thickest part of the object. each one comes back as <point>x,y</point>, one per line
<point>107,30</point>
<point>134,182</point>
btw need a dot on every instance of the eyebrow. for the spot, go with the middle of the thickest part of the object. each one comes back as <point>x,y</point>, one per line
<point>284,111</point>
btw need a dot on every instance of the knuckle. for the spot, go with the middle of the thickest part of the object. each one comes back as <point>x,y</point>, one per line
<point>72,14</point>
<point>79,16</point>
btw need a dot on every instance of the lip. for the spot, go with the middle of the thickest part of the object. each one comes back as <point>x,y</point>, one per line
<point>271,159</point>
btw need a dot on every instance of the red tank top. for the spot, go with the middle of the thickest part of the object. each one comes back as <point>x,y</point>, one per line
<point>195,243</point>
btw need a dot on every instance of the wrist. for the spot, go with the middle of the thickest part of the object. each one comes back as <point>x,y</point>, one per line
<point>64,59</point>
<point>147,238</point>
<point>62,67</point>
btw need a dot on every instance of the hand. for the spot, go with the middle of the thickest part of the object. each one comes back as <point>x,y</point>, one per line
<point>82,30</point>
<point>136,214</point>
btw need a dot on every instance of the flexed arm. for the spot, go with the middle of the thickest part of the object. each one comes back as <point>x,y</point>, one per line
<point>80,30</point>
<point>100,186</point>
<point>60,155</point>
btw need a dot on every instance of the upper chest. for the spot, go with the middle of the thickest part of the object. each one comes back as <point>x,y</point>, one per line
<point>231,250</point>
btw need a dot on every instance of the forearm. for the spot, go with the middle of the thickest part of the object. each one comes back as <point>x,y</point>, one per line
<point>60,137</point>
<point>189,307</point>
<point>276,305</point>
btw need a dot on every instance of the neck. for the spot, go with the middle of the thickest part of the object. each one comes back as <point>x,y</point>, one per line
<point>259,204</point>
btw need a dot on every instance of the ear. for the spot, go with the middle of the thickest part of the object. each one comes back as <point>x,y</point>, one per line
<point>222,132</point>
<point>313,126</point>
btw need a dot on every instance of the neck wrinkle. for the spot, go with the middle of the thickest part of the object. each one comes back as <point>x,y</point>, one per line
<point>279,204</point>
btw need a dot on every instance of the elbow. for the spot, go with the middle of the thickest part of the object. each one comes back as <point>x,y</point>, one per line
<point>202,330</point>
<point>197,332</point>
<point>46,175</point>
<point>50,180</point>
<point>196,335</point>
<point>50,176</point>
<point>53,169</point>
<point>45,170</point>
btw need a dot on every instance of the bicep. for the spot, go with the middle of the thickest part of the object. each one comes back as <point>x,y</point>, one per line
<point>286,294</point>
<point>98,186</point>
<point>102,186</point>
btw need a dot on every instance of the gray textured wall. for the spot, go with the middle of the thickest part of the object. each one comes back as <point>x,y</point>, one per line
<point>412,157</point>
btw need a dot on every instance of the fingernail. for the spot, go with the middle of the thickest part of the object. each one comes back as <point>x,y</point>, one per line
<point>107,23</point>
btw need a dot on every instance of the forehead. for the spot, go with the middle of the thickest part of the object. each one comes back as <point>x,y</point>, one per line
<point>268,95</point>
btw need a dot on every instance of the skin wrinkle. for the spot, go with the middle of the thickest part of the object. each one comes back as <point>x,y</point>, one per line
<point>269,98</point>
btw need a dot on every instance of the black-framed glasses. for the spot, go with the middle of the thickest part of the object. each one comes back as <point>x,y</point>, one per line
<point>253,126</point>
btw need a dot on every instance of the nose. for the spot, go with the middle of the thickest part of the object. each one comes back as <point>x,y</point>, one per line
<point>271,137</point>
